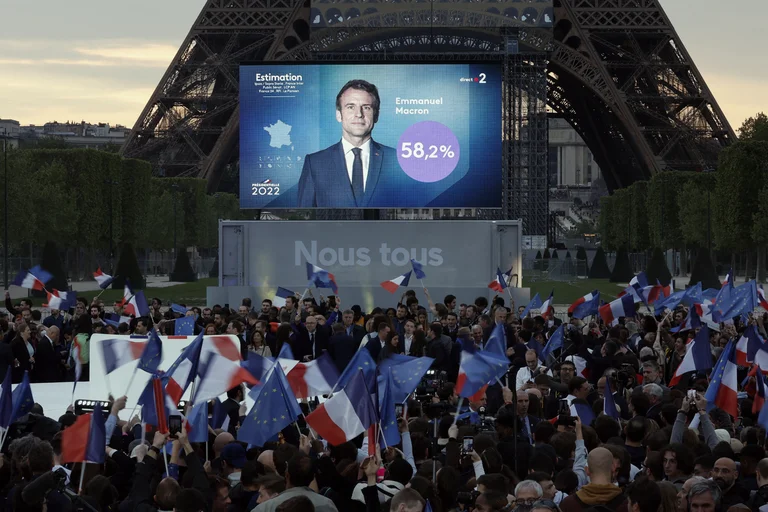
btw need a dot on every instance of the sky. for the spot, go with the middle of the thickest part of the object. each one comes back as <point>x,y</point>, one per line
<point>100,61</point>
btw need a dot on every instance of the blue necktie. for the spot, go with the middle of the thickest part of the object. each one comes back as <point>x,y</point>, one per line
<point>357,177</point>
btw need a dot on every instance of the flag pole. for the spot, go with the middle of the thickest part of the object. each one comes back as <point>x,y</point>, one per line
<point>458,408</point>
<point>130,382</point>
<point>82,477</point>
<point>165,459</point>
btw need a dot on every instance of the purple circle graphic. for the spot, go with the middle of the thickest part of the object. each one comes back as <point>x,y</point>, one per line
<point>428,151</point>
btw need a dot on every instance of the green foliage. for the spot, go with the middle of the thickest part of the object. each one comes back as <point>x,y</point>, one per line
<point>554,255</point>
<point>740,178</point>
<point>599,268</point>
<point>546,254</point>
<point>214,272</point>
<point>128,267</point>
<point>692,209</point>
<point>755,128</point>
<point>622,270</point>
<point>52,263</point>
<point>581,253</point>
<point>639,235</point>
<point>657,269</point>
<point>760,219</point>
<point>662,209</point>
<point>606,221</point>
<point>182,270</point>
<point>538,255</point>
<point>704,270</point>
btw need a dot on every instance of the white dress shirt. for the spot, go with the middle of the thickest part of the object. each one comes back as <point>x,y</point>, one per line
<point>349,156</point>
<point>408,343</point>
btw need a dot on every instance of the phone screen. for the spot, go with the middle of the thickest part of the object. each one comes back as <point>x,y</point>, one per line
<point>174,424</point>
<point>468,445</point>
<point>564,409</point>
<point>399,410</point>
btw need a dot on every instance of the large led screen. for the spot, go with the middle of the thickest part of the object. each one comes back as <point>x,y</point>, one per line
<point>370,136</point>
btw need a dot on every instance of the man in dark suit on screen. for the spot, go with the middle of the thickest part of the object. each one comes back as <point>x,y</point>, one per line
<point>353,172</point>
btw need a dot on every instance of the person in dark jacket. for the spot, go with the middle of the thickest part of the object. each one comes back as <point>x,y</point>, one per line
<point>725,474</point>
<point>47,360</point>
<point>23,353</point>
<point>760,496</point>
<point>341,347</point>
<point>514,447</point>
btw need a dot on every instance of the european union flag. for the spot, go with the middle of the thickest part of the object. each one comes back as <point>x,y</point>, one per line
<point>418,269</point>
<point>741,299</point>
<point>22,399</point>
<point>152,354</point>
<point>362,361</point>
<point>184,326</point>
<point>535,303</point>
<point>497,342</point>
<point>670,302</point>
<point>406,377</point>
<point>275,408</point>
<point>389,429</point>
<point>177,308</point>
<point>394,359</point>
<point>198,420</point>
<point>478,369</point>
<point>692,295</point>
<point>555,342</point>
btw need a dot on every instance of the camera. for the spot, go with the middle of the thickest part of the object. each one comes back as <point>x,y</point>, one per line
<point>437,410</point>
<point>467,498</point>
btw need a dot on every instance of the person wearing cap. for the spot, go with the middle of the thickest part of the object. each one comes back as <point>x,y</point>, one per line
<point>233,459</point>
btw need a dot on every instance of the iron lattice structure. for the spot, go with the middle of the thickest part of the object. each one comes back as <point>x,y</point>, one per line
<point>615,69</point>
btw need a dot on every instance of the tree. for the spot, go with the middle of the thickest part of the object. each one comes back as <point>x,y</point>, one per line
<point>52,263</point>
<point>599,268</point>
<point>581,253</point>
<point>622,270</point>
<point>704,270</point>
<point>657,269</point>
<point>182,270</point>
<point>639,236</point>
<point>128,268</point>
<point>692,211</point>
<point>755,128</point>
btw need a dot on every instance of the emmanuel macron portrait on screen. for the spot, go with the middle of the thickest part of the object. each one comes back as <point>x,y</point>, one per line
<point>353,173</point>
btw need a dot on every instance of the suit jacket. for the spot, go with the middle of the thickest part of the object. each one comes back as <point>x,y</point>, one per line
<point>374,347</point>
<point>21,354</point>
<point>232,409</point>
<point>46,362</point>
<point>416,348</point>
<point>358,333</point>
<point>304,345</point>
<point>341,349</point>
<point>325,183</point>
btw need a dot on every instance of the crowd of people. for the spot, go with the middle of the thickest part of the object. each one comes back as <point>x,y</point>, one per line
<point>522,445</point>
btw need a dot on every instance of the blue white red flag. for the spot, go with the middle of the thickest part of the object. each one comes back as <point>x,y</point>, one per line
<point>347,414</point>
<point>281,294</point>
<point>622,307</point>
<point>724,385</point>
<point>103,279</point>
<point>321,278</point>
<point>118,352</point>
<point>499,284</point>
<point>697,356</point>
<point>609,403</point>
<point>86,439</point>
<point>184,370</point>
<point>315,378</point>
<point>219,376</point>
<point>393,284</point>
<point>61,300</point>
<point>748,345</point>
<point>34,278</point>
<point>586,305</point>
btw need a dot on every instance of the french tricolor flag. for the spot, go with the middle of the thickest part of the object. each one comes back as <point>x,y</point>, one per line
<point>624,306</point>
<point>321,278</point>
<point>219,376</point>
<point>184,370</point>
<point>314,378</point>
<point>547,308</point>
<point>103,279</point>
<point>34,278</point>
<point>137,305</point>
<point>761,297</point>
<point>698,357</point>
<point>280,295</point>
<point>724,385</point>
<point>61,300</point>
<point>583,306</point>
<point>347,414</point>
<point>500,283</point>
<point>760,394</point>
<point>393,284</point>
<point>747,346</point>
<point>119,352</point>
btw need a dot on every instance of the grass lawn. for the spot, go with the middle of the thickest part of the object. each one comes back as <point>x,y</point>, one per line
<point>191,294</point>
<point>568,292</point>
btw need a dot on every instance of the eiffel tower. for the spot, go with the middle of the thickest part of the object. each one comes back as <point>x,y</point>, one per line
<point>616,70</point>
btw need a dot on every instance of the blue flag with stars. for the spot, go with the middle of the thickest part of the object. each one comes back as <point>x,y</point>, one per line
<point>361,361</point>
<point>418,269</point>
<point>152,354</point>
<point>741,299</point>
<point>497,342</point>
<point>274,409</point>
<point>555,342</point>
<point>184,326</point>
<point>22,399</point>
<point>198,420</point>
<point>535,303</point>
<point>389,430</point>
<point>406,377</point>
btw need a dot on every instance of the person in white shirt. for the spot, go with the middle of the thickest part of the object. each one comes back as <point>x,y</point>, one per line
<point>531,370</point>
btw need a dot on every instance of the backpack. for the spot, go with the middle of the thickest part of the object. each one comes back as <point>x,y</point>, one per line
<point>611,506</point>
